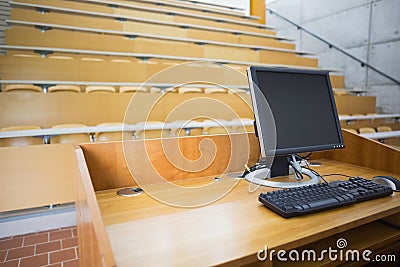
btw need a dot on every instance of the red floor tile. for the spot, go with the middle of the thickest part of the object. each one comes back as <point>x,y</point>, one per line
<point>36,239</point>
<point>61,234</point>
<point>3,254</point>
<point>22,252</point>
<point>13,263</point>
<point>48,247</point>
<point>35,261</point>
<point>69,242</point>
<point>11,243</point>
<point>35,249</point>
<point>62,255</point>
<point>73,263</point>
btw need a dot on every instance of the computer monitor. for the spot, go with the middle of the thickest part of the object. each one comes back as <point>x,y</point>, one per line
<point>295,112</point>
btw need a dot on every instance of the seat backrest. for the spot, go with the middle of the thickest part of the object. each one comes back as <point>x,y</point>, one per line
<point>77,138</point>
<point>99,89</point>
<point>366,130</point>
<point>22,88</point>
<point>216,90</point>
<point>133,89</point>
<point>112,136</point>
<point>384,129</point>
<point>154,90</point>
<point>184,90</point>
<point>21,141</point>
<point>64,88</point>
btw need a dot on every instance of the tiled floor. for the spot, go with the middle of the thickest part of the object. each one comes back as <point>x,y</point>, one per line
<point>56,248</point>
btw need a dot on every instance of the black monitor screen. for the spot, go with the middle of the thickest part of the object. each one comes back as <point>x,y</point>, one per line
<point>303,108</point>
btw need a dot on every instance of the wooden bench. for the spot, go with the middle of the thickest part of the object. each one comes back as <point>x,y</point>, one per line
<point>17,30</point>
<point>85,15</point>
<point>154,13</point>
<point>68,39</point>
<point>210,54</point>
<point>66,67</point>
<point>50,109</point>
<point>186,9</point>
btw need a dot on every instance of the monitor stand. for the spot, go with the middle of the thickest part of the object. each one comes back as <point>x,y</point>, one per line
<point>280,167</point>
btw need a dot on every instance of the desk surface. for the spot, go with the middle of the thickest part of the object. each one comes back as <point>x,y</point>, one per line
<point>146,232</point>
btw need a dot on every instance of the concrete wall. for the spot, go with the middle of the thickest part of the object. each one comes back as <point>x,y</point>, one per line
<point>368,29</point>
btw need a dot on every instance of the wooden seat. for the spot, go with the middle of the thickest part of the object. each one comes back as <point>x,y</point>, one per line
<point>77,138</point>
<point>112,136</point>
<point>184,90</point>
<point>100,89</point>
<point>133,89</point>
<point>152,134</point>
<point>366,130</point>
<point>171,90</point>
<point>20,141</point>
<point>22,88</point>
<point>384,129</point>
<point>64,88</point>
<point>215,90</point>
<point>154,90</point>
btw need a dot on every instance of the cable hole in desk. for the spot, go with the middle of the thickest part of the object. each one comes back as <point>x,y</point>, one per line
<point>130,192</point>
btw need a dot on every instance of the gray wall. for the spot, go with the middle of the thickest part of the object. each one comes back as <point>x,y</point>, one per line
<point>368,29</point>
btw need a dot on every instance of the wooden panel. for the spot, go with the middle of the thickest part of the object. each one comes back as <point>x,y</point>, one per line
<point>35,176</point>
<point>108,169</point>
<point>47,110</point>
<point>366,152</point>
<point>257,8</point>
<point>147,15</point>
<point>140,27</point>
<point>337,81</point>
<point>71,67</point>
<point>93,243</point>
<point>28,36</point>
<point>194,10</point>
<point>350,104</point>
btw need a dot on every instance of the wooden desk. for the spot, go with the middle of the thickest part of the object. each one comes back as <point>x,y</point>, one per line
<point>232,230</point>
<point>141,231</point>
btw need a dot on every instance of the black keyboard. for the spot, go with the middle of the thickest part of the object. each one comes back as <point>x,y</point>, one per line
<point>308,199</point>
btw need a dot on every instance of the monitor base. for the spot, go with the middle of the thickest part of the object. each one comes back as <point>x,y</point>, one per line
<point>262,177</point>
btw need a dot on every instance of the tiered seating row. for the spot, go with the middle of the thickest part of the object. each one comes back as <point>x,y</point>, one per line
<point>79,133</point>
<point>77,17</point>
<point>148,88</point>
<point>263,58</point>
<point>213,9</point>
<point>23,29</point>
<point>165,7</point>
<point>92,8</point>
<point>211,4</point>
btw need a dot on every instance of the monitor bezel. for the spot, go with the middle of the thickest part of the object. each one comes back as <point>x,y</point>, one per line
<point>252,77</point>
